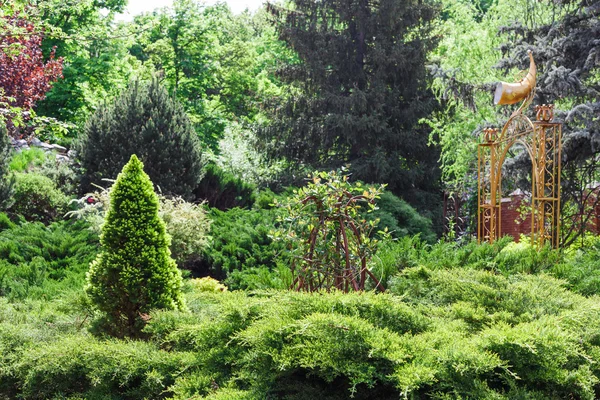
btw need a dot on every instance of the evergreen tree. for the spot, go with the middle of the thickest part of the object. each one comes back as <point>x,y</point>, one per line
<point>359,90</point>
<point>6,178</point>
<point>145,121</point>
<point>134,272</point>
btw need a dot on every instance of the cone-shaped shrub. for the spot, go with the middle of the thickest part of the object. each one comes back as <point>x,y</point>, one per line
<point>145,120</point>
<point>134,272</point>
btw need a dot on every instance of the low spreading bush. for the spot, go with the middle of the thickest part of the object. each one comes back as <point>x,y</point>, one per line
<point>240,242</point>
<point>38,261</point>
<point>401,219</point>
<point>5,222</point>
<point>36,198</point>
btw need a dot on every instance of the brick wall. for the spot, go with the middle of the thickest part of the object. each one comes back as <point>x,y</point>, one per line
<point>513,223</point>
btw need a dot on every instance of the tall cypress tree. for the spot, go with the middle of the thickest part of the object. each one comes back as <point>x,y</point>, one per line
<point>148,122</point>
<point>359,90</point>
<point>134,272</point>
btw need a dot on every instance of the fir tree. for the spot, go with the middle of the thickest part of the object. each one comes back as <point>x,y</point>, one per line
<point>359,90</point>
<point>145,121</point>
<point>6,178</point>
<point>134,272</point>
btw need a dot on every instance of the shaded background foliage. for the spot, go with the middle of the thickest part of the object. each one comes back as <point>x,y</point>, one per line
<point>357,93</point>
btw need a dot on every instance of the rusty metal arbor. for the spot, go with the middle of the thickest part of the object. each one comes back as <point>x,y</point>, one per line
<point>542,141</point>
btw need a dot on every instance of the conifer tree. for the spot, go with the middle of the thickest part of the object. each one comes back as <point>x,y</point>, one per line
<point>148,122</point>
<point>6,180</point>
<point>358,92</point>
<point>134,272</point>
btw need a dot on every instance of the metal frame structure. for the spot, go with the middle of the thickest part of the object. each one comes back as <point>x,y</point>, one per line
<point>542,141</point>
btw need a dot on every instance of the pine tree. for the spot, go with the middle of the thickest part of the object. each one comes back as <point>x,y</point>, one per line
<point>358,92</point>
<point>134,272</point>
<point>6,179</point>
<point>148,122</point>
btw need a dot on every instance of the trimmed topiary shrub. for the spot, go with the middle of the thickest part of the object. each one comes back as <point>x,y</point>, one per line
<point>36,198</point>
<point>147,122</point>
<point>134,271</point>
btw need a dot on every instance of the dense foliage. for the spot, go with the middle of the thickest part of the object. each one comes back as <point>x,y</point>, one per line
<point>329,240</point>
<point>241,245</point>
<point>146,121</point>
<point>96,66</point>
<point>461,331</point>
<point>270,96</point>
<point>37,198</point>
<point>400,218</point>
<point>25,74</point>
<point>134,273</point>
<point>224,190</point>
<point>358,92</point>
<point>218,64</point>
<point>38,261</point>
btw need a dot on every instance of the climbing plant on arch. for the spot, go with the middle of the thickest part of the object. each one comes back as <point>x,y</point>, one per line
<point>542,141</point>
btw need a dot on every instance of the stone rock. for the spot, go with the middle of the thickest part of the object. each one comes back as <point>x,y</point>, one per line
<point>35,142</point>
<point>60,149</point>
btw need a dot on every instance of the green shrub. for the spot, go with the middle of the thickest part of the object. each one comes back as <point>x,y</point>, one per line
<point>79,365</point>
<point>207,284</point>
<point>5,222</point>
<point>401,218</point>
<point>64,174</point>
<point>36,198</point>
<point>134,271</point>
<point>6,179</point>
<point>145,120</point>
<point>240,242</point>
<point>223,190</point>
<point>439,334</point>
<point>188,226</point>
<point>40,261</point>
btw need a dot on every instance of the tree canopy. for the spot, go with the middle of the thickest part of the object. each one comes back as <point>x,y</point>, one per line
<point>357,91</point>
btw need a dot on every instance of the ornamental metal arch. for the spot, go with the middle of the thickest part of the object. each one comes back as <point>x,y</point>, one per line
<point>542,140</point>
